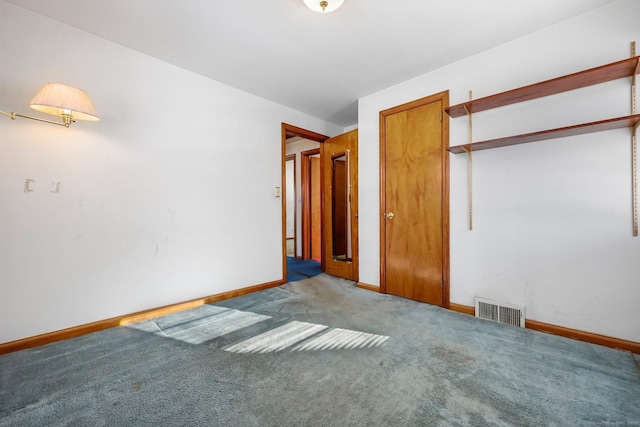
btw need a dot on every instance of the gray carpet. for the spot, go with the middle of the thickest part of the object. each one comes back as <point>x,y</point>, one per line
<point>319,352</point>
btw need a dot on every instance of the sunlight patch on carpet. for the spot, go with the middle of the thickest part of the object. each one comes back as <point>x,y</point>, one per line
<point>200,324</point>
<point>342,338</point>
<point>294,335</point>
<point>277,339</point>
<point>207,322</point>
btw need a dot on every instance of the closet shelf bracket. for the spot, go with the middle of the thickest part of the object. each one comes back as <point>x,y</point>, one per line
<point>634,144</point>
<point>467,149</point>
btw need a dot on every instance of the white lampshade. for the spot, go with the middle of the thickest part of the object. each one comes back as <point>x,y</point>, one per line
<point>316,5</point>
<point>61,100</point>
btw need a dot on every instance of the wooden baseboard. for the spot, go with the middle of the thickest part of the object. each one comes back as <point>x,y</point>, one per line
<point>76,331</point>
<point>100,325</point>
<point>620,344</point>
<point>368,287</point>
<point>575,334</point>
<point>464,309</point>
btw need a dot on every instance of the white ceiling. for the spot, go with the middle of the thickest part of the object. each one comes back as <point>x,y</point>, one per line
<point>318,64</point>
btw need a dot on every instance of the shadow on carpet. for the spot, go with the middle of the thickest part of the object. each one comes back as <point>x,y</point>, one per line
<point>298,269</point>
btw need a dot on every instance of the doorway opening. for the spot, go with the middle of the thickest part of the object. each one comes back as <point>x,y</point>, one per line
<point>301,206</point>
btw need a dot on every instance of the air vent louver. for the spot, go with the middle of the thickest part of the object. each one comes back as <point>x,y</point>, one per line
<point>500,312</point>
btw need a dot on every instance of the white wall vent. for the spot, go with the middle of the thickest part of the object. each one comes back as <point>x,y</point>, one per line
<point>500,312</point>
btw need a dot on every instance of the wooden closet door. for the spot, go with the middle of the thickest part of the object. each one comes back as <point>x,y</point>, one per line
<point>414,225</point>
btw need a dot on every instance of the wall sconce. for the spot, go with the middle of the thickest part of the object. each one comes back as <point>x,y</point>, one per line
<point>324,6</point>
<point>65,101</point>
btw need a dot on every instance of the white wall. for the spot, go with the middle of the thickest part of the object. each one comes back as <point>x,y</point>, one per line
<point>168,198</point>
<point>552,219</point>
<point>296,148</point>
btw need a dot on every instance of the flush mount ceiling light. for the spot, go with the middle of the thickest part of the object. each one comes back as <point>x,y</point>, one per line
<point>65,101</point>
<point>323,6</point>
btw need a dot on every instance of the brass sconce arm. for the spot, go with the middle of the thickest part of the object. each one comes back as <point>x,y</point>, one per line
<point>66,118</point>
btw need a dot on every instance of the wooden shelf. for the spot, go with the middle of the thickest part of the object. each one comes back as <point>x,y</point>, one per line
<point>616,70</point>
<point>604,73</point>
<point>617,123</point>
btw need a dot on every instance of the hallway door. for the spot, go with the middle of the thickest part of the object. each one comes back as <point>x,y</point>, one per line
<point>311,205</point>
<point>316,209</point>
<point>414,200</point>
<point>339,158</point>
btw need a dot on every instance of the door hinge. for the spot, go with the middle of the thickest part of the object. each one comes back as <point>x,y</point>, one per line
<point>440,115</point>
<point>442,284</point>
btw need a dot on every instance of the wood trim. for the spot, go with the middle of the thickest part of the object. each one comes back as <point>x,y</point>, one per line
<point>306,134</point>
<point>368,287</point>
<point>446,267</point>
<point>305,173</point>
<point>113,322</point>
<point>464,309</point>
<point>283,204</point>
<point>575,334</point>
<point>444,98</point>
<point>355,207</point>
<point>305,164</point>
<point>383,200</point>
<point>126,319</point>
<point>617,343</point>
<point>323,224</point>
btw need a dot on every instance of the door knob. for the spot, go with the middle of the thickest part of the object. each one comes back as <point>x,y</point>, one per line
<point>390,215</point>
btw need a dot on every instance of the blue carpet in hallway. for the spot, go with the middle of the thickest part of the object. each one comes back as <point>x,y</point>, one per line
<point>298,269</point>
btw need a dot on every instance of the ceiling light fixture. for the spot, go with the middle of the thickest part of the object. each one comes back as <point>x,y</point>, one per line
<point>65,101</point>
<point>323,6</point>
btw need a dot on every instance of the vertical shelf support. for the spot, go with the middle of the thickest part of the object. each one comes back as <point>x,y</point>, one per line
<point>634,149</point>
<point>634,177</point>
<point>470,168</point>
